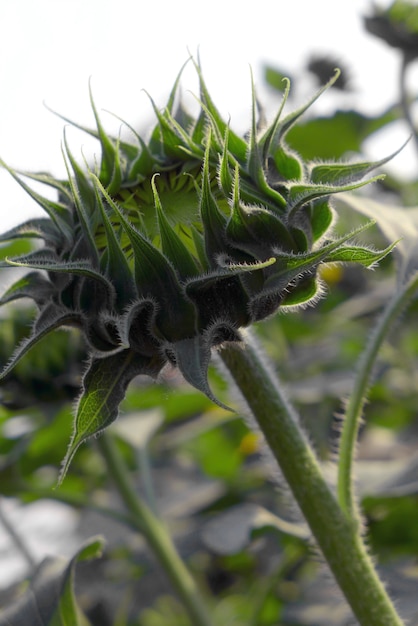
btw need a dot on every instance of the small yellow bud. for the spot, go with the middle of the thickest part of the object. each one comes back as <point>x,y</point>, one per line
<point>331,274</point>
<point>249,444</point>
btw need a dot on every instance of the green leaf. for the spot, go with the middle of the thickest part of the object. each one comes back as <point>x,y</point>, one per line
<point>104,387</point>
<point>276,78</point>
<point>282,128</point>
<point>404,14</point>
<point>333,137</point>
<point>50,599</point>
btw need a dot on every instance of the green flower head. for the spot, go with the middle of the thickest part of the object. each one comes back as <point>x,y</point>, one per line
<point>173,244</point>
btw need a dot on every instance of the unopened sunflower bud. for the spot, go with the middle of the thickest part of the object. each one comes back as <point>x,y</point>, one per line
<point>156,269</point>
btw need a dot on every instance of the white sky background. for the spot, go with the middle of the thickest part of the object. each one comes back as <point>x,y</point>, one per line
<point>50,48</point>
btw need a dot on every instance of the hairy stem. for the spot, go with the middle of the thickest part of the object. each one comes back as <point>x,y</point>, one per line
<point>154,532</point>
<point>395,306</point>
<point>336,534</point>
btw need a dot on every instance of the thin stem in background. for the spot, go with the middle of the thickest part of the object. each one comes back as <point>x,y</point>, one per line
<point>155,533</point>
<point>17,539</point>
<point>267,586</point>
<point>146,477</point>
<point>351,421</point>
<point>336,534</point>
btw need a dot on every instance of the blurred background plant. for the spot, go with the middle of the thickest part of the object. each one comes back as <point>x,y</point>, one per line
<point>200,466</point>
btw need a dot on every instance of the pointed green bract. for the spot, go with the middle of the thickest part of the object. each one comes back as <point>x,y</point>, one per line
<point>282,127</point>
<point>255,164</point>
<point>238,146</point>
<point>288,164</point>
<point>50,265</point>
<point>253,228</point>
<point>58,213</point>
<point>171,245</point>
<point>32,285</point>
<point>105,384</point>
<point>50,319</point>
<point>110,169</point>
<point>152,270</point>
<point>321,218</point>
<point>177,242</point>
<point>192,356</point>
<point>83,199</point>
<point>40,228</point>
<point>288,267</point>
<point>114,261</point>
<point>267,141</point>
<point>355,254</point>
<point>213,220</point>
<point>301,194</point>
<point>225,176</point>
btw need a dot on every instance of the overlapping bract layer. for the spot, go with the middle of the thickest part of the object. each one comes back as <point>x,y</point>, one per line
<point>174,244</point>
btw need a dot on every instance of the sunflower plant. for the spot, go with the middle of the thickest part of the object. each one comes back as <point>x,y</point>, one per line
<point>166,252</point>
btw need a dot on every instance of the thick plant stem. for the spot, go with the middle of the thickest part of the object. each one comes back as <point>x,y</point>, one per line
<point>399,301</point>
<point>155,533</point>
<point>336,534</point>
